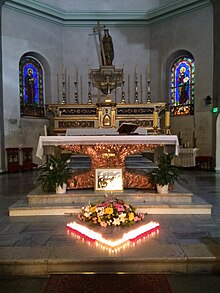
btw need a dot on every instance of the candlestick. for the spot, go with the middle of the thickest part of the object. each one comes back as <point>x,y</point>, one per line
<point>89,93</point>
<point>128,88</point>
<point>141,90</point>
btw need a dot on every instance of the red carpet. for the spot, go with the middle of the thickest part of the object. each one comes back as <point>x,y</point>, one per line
<point>107,283</point>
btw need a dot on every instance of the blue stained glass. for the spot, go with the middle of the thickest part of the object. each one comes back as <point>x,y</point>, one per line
<point>31,87</point>
<point>182,87</point>
<point>31,84</point>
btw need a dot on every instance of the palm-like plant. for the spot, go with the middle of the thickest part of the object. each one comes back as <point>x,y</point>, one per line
<point>56,171</point>
<point>165,173</point>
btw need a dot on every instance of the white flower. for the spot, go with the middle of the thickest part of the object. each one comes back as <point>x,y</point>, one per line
<point>116,222</point>
<point>86,209</point>
<point>122,217</point>
<point>87,214</point>
<point>51,167</point>
<point>100,211</point>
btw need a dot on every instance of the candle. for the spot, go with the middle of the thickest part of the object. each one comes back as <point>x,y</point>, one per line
<point>148,72</point>
<point>58,89</point>
<point>68,88</point>
<point>45,130</point>
<point>81,89</point>
<point>194,134</point>
<point>63,74</point>
<point>167,119</point>
<point>180,134</point>
<point>155,119</point>
<point>76,74</point>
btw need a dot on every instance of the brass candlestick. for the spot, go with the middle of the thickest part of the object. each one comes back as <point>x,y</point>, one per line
<point>167,130</point>
<point>155,128</point>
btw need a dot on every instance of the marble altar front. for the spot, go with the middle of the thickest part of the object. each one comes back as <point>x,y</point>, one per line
<point>109,152</point>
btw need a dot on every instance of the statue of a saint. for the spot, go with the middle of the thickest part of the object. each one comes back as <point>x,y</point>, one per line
<point>107,48</point>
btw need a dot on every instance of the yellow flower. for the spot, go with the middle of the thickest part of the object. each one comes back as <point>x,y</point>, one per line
<point>92,209</point>
<point>131,216</point>
<point>109,211</point>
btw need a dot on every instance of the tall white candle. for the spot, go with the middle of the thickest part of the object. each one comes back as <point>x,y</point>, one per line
<point>58,89</point>
<point>63,74</point>
<point>148,72</point>
<point>81,88</point>
<point>76,75</point>
<point>45,130</point>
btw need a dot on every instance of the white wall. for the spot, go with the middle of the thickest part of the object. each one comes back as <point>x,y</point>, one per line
<point>192,32</point>
<point>22,34</point>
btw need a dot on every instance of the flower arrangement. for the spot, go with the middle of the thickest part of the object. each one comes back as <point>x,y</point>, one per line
<point>56,171</point>
<point>110,212</point>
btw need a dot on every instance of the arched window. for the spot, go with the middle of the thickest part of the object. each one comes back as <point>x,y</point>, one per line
<point>31,87</point>
<point>182,86</point>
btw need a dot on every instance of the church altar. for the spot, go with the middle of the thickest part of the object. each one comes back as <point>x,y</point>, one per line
<point>109,152</point>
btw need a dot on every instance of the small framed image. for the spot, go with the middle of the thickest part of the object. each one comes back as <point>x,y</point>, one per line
<point>108,179</point>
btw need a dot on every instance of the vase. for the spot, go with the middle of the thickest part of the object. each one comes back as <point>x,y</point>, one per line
<point>61,189</point>
<point>163,188</point>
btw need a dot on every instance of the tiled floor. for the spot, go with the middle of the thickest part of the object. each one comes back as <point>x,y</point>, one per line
<point>48,231</point>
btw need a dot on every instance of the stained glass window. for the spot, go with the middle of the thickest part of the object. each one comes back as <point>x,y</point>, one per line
<point>182,87</point>
<point>31,87</point>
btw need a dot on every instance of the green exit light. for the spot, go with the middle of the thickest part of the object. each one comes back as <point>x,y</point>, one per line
<point>215,110</point>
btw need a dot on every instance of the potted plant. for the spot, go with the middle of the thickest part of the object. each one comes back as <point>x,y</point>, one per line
<point>165,174</point>
<point>53,175</point>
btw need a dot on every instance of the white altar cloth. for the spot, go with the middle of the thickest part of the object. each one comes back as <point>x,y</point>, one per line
<point>163,140</point>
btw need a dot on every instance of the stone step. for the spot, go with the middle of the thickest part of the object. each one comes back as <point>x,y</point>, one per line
<point>197,206</point>
<point>134,161</point>
<point>177,195</point>
<point>177,201</point>
<point>66,259</point>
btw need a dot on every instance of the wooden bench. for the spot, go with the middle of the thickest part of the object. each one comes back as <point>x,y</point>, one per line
<point>204,161</point>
